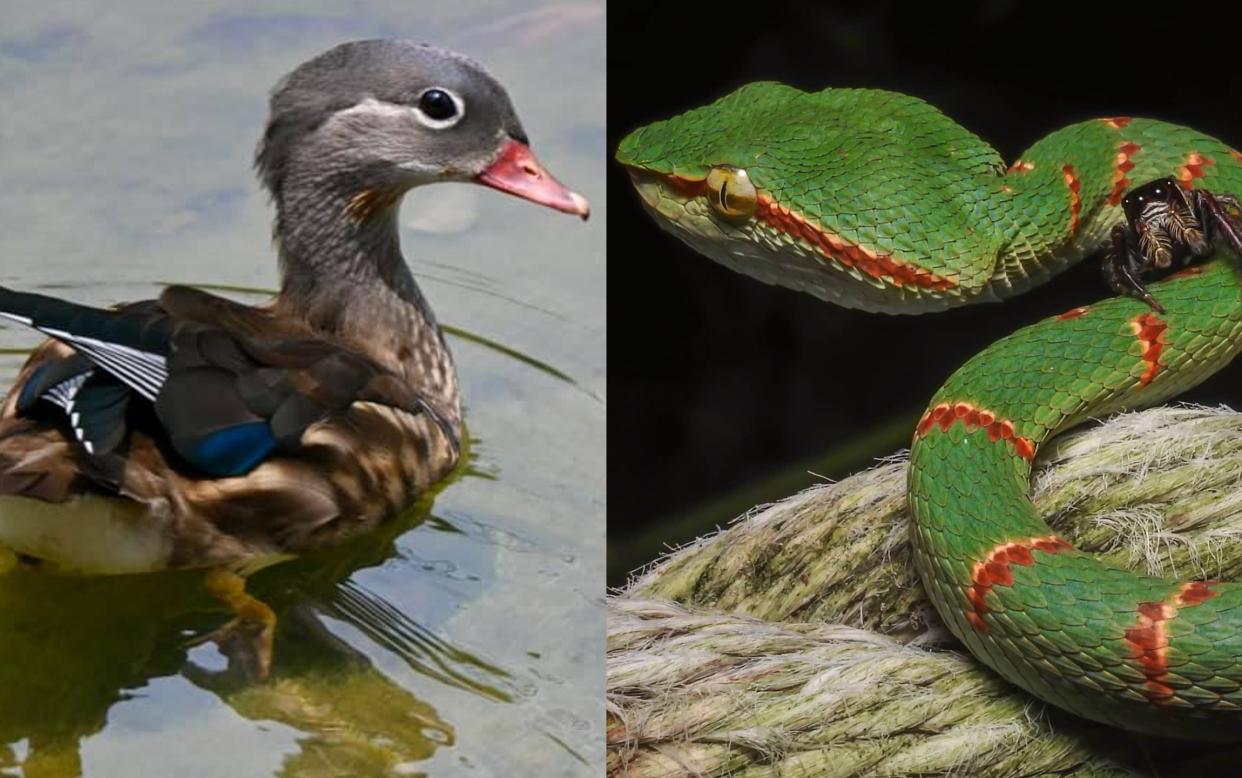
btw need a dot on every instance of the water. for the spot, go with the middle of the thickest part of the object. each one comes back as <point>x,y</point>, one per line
<point>464,640</point>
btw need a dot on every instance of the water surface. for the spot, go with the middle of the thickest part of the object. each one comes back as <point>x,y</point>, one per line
<point>464,640</point>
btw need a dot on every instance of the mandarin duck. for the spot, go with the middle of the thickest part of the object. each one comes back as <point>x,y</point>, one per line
<point>196,432</point>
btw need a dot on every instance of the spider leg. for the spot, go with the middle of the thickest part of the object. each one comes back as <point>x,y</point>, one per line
<point>1229,200</point>
<point>1121,268</point>
<point>1209,207</point>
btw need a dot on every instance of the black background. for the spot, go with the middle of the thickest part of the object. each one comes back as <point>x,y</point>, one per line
<point>717,381</point>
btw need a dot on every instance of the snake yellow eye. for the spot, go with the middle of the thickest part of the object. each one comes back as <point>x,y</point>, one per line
<point>730,191</point>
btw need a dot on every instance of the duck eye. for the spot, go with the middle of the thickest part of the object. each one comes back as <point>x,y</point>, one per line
<point>730,191</point>
<point>437,104</point>
<point>439,108</point>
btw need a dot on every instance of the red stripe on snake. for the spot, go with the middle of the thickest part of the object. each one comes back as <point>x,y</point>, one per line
<point>996,570</point>
<point>1125,164</point>
<point>945,415</point>
<point>1195,163</point>
<point>1150,329</point>
<point>1149,639</point>
<point>838,249</point>
<point>1075,187</point>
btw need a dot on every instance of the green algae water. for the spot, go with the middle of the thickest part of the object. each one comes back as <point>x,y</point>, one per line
<point>465,637</point>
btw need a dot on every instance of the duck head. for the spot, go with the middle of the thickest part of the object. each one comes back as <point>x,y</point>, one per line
<point>374,118</point>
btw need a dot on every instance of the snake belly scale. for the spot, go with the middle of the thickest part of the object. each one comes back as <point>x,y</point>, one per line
<point>876,200</point>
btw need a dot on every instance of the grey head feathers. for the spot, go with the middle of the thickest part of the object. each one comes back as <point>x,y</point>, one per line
<point>352,113</point>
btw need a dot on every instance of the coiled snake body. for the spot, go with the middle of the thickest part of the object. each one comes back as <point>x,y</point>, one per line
<point>876,200</point>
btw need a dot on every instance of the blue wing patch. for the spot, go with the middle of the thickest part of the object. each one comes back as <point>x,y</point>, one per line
<point>33,388</point>
<point>233,451</point>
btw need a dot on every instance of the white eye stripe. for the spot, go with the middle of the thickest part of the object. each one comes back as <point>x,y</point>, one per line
<point>374,107</point>
<point>441,124</point>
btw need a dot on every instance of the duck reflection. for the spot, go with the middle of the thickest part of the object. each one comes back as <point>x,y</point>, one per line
<point>73,646</point>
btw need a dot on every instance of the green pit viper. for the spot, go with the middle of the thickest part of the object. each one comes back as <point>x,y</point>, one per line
<point>876,200</point>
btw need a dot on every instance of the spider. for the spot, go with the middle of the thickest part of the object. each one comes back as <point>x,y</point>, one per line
<point>1166,224</point>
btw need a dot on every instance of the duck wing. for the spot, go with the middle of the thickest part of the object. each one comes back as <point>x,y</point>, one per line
<point>224,397</point>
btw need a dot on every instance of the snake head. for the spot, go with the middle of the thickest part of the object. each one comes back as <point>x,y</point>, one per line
<point>843,193</point>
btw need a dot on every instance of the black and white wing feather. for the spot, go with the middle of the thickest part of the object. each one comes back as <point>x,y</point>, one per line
<point>132,347</point>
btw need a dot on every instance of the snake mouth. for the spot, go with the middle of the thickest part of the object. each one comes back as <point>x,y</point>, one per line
<point>653,187</point>
<point>727,189</point>
<point>768,223</point>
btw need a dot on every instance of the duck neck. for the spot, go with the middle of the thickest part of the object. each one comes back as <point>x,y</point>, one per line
<point>342,272</point>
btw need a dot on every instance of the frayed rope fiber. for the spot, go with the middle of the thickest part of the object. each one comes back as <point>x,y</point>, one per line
<point>798,641</point>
